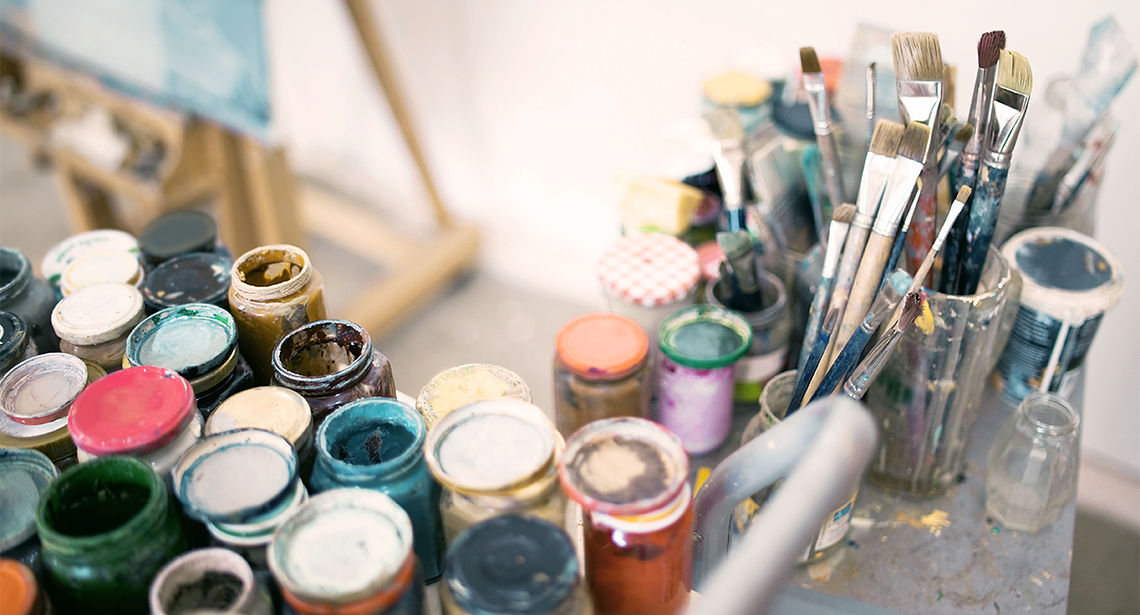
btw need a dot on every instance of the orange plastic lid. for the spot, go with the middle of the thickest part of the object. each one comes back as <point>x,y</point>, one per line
<point>601,346</point>
<point>18,587</point>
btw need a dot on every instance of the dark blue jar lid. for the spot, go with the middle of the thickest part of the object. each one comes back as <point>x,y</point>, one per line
<point>200,277</point>
<point>511,564</point>
<point>176,233</point>
<point>13,340</point>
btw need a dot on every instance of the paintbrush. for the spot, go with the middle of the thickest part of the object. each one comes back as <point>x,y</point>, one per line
<point>812,164</point>
<point>820,111</point>
<point>955,143</point>
<point>738,253</point>
<point>728,157</point>
<point>949,84</point>
<point>1096,147</point>
<point>811,364</point>
<point>869,368</point>
<point>836,235</point>
<point>1007,112</point>
<point>989,50</point>
<point>900,237</point>
<point>871,79</point>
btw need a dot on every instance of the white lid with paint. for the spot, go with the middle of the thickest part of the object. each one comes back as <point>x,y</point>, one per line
<point>97,314</point>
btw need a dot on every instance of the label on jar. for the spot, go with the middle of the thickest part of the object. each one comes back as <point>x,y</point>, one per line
<point>753,371</point>
<point>834,527</point>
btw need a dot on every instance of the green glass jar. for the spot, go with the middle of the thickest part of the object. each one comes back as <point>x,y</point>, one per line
<point>107,527</point>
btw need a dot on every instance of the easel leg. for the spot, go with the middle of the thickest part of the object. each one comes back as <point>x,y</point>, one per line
<point>234,219</point>
<point>88,207</point>
<point>272,194</point>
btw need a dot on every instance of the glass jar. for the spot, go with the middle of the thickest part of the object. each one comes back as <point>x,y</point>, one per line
<point>24,475</point>
<point>28,297</point>
<point>251,537</point>
<point>601,370</point>
<point>15,345</point>
<point>197,340</point>
<point>100,267</point>
<point>63,253</point>
<point>107,528</point>
<point>145,412</point>
<point>209,580</point>
<point>176,233</point>
<point>378,444</point>
<point>1032,469</point>
<point>273,290</point>
<point>21,591</point>
<point>467,384</point>
<point>513,564</point>
<point>648,276</point>
<point>332,363</point>
<point>347,551</point>
<point>190,278</point>
<point>495,457</point>
<point>695,375</point>
<point>275,409</point>
<point>630,477</point>
<point>771,331</point>
<point>36,397</point>
<point>93,323</point>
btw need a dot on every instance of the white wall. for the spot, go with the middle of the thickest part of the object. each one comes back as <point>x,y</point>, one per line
<point>527,110</point>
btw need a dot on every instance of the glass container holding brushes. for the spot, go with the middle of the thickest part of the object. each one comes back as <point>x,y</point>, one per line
<point>648,276</point>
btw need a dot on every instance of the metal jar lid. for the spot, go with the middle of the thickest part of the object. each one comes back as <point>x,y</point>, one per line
<point>100,267</point>
<point>465,384</point>
<point>276,409</point>
<point>24,474</point>
<point>41,389</point>
<point>200,277</point>
<point>134,410</point>
<point>192,339</point>
<point>176,233</point>
<point>97,314</point>
<point>62,253</point>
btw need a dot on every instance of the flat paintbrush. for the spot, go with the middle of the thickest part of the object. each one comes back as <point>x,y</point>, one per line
<point>728,156</point>
<point>836,235</point>
<point>928,261</point>
<point>900,237</point>
<point>820,110</point>
<point>955,142</point>
<point>1007,112</point>
<point>872,68</point>
<point>1099,142</point>
<point>869,368</point>
<point>812,363</point>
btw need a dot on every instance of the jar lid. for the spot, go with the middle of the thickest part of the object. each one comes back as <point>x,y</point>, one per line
<point>137,409</point>
<point>13,340</point>
<point>511,564</point>
<point>24,474</point>
<point>100,267</point>
<point>200,277</point>
<point>343,545</point>
<point>710,254</point>
<point>1065,274</point>
<point>649,269</point>
<point>258,530</point>
<point>192,339</point>
<point>41,389</point>
<point>177,232</point>
<point>465,384</point>
<point>276,409</point>
<point>18,586</point>
<point>601,346</point>
<point>623,466</point>
<point>736,89</point>
<point>491,446</point>
<point>97,314</point>
<point>235,475</point>
<point>62,253</point>
<point>704,337</point>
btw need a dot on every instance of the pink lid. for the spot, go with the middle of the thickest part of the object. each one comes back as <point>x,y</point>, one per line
<point>649,269</point>
<point>137,409</point>
<point>710,256</point>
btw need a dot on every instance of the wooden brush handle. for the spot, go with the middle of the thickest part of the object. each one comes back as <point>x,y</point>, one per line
<point>866,285</point>
<point>832,173</point>
<point>848,266</point>
<point>921,234</point>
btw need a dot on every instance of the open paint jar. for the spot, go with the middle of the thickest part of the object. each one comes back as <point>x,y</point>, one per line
<point>94,322</point>
<point>212,580</point>
<point>771,330</point>
<point>15,345</point>
<point>467,384</point>
<point>1069,281</point>
<point>200,277</point>
<point>35,399</point>
<point>648,276</point>
<point>274,409</point>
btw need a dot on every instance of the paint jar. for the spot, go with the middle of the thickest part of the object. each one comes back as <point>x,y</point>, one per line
<point>251,537</point>
<point>100,267</point>
<point>495,457</point>
<point>208,581</point>
<point>630,477</point>
<point>513,564</point>
<point>467,384</point>
<point>145,412</point>
<point>774,400</point>
<point>93,323</point>
<point>63,253</point>
<point>771,331</point>
<point>235,476</point>
<point>24,475</point>
<point>107,528</point>
<point>332,363</point>
<point>601,371</point>
<point>190,278</point>
<point>36,397</point>
<point>695,375</point>
<point>15,344</point>
<point>648,276</point>
<point>927,396</point>
<point>745,94</point>
<point>274,409</point>
<point>378,444</point>
<point>179,232</point>
<point>22,595</point>
<point>273,290</point>
<point>1068,281</point>
<point>1031,474</point>
<point>28,297</point>
<point>347,551</point>
<point>197,340</point>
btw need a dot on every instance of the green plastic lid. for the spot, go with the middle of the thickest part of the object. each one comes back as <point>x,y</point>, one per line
<point>704,337</point>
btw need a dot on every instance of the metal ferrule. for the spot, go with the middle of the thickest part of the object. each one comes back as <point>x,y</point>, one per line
<point>921,101</point>
<point>876,170</point>
<point>817,103</point>
<point>896,195</point>
<point>1006,115</point>
<point>870,94</point>
<point>979,114</point>
<point>729,159</point>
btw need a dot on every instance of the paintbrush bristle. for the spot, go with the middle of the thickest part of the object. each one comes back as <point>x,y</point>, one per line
<point>844,213</point>
<point>963,194</point>
<point>809,62</point>
<point>1014,73</point>
<point>913,142</point>
<point>949,78</point>
<point>964,132</point>
<point>912,307</point>
<point>885,139</point>
<point>917,55</point>
<point>946,115</point>
<point>989,48</point>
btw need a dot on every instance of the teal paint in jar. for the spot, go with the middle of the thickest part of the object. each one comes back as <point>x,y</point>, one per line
<point>378,444</point>
<point>107,527</point>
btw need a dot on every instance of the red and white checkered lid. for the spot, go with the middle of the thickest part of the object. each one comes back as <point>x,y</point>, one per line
<point>649,269</point>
